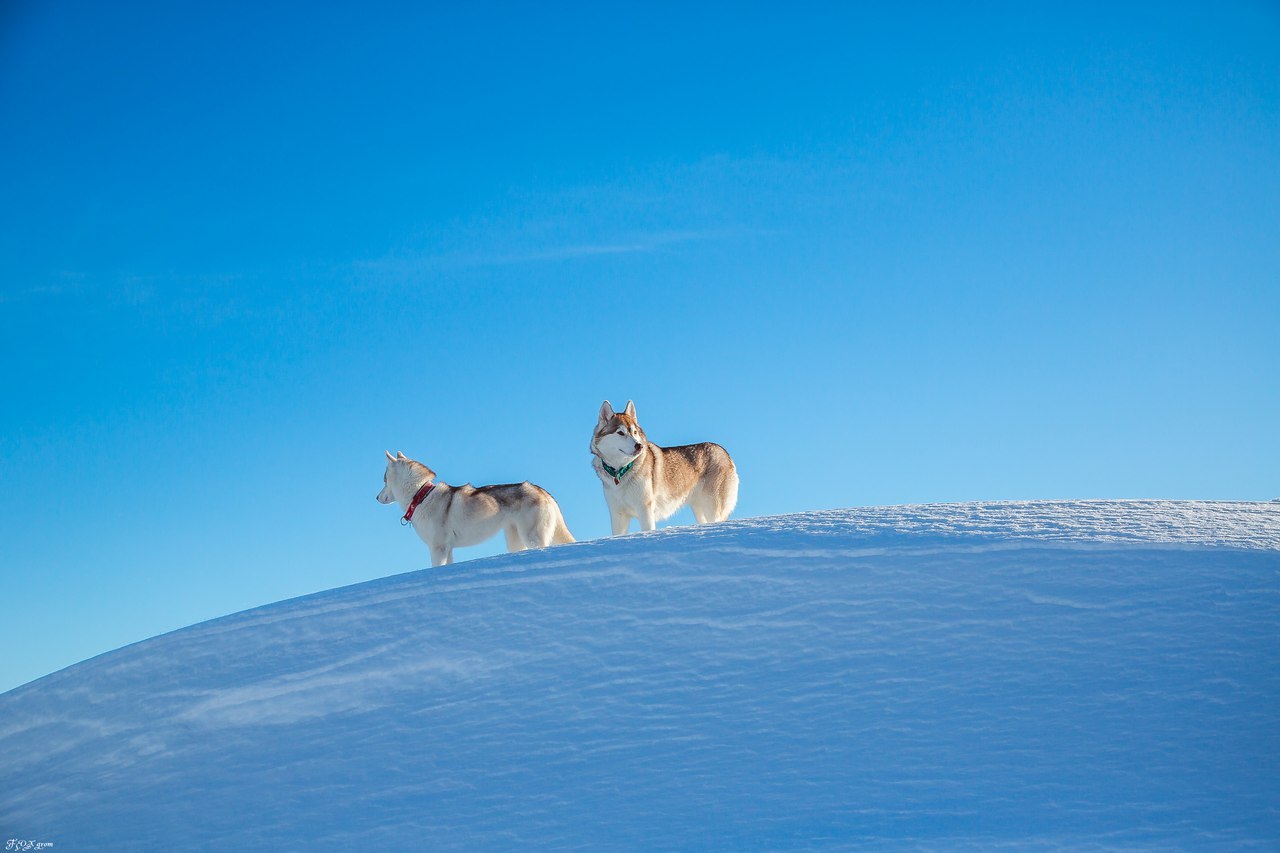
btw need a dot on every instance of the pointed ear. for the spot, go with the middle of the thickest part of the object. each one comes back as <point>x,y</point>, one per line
<point>390,458</point>
<point>630,410</point>
<point>400,455</point>
<point>606,411</point>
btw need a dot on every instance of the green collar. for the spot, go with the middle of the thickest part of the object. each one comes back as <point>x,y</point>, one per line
<point>617,474</point>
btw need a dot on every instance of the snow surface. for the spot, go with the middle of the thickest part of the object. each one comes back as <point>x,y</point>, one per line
<point>1090,674</point>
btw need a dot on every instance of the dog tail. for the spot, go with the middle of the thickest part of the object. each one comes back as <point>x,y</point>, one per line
<point>562,536</point>
<point>731,491</point>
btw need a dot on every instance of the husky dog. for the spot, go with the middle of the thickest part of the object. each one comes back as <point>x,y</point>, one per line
<point>644,481</point>
<point>448,517</point>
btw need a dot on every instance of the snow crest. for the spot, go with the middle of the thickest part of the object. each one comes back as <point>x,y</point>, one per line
<point>1091,673</point>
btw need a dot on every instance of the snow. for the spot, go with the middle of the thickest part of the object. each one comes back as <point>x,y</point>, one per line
<point>1089,674</point>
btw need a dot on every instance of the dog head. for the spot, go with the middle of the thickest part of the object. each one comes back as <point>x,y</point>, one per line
<point>402,470</point>
<point>618,435</point>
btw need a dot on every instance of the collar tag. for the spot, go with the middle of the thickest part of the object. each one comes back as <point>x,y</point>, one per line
<point>617,474</point>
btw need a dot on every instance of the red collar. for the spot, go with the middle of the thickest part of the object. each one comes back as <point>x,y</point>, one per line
<point>417,499</point>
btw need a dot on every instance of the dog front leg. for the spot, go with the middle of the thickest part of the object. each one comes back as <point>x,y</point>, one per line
<point>648,518</point>
<point>621,521</point>
<point>441,556</point>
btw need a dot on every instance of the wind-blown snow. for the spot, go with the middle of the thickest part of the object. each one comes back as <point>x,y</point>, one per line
<point>1085,673</point>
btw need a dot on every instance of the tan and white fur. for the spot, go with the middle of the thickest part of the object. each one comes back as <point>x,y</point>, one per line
<point>661,479</point>
<point>457,516</point>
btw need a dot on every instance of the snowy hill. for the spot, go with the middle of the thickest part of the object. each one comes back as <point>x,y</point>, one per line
<point>1082,673</point>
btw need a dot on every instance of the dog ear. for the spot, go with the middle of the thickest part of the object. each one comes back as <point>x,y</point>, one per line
<point>400,455</point>
<point>606,411</point>
<point>390,458</point>
<point>630,410</point>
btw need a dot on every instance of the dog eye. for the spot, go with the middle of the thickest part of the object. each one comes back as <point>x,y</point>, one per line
<point>620,432</point>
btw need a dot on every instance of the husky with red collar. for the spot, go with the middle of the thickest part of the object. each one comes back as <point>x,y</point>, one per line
<point>644,481</point>
<point>448,517</point>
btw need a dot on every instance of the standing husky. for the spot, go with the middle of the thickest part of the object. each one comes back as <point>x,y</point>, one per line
<point>642,480</point>
<point>448,517</point>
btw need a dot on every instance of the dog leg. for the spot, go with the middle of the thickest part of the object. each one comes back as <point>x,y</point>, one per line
<point>621,521</point>
<point>441,556</point>
<point>699,504</point>
<point>515,542</point>
<point>648,519</point>
<point>537,535</point>
<point>542,532</point>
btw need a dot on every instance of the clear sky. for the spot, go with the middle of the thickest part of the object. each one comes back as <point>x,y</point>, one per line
<point>883,255</point>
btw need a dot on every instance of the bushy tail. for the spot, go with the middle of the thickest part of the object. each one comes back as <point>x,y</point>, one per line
<point>562,536</point>
<point>730,493</point>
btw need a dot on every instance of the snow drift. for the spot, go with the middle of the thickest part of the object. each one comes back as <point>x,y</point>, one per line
<point>1038,673</point>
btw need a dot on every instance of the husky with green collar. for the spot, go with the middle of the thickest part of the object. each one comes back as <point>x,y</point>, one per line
<point>644,481</point>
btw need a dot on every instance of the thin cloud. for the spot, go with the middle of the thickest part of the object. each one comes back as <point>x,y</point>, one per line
<point>42,291</point>
<point>409,265</point>
<point>646,243</point>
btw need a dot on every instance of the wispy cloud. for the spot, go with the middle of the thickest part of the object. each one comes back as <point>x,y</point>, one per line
<point>396,265</point>
<point>631,245</point>
<point>55,286</point>
<point>212,297</point>
<point>42,291</point>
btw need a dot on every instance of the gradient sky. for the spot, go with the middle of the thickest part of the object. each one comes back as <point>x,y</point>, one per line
<point>927,253</point>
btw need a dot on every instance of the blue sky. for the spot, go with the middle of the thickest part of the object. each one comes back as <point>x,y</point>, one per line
<point>928,253</point>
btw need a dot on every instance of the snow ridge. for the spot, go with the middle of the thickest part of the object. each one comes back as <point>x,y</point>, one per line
<point>1219,524</point>
<point>1086,673</point>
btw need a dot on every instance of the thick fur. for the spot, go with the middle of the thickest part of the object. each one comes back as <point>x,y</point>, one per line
<point>457,516</point>
<point>661,479</point>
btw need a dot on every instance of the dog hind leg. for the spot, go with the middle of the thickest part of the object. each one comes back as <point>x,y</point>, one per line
<point>703,505</point>
<point>539,531</point>
<point>515,542</point>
